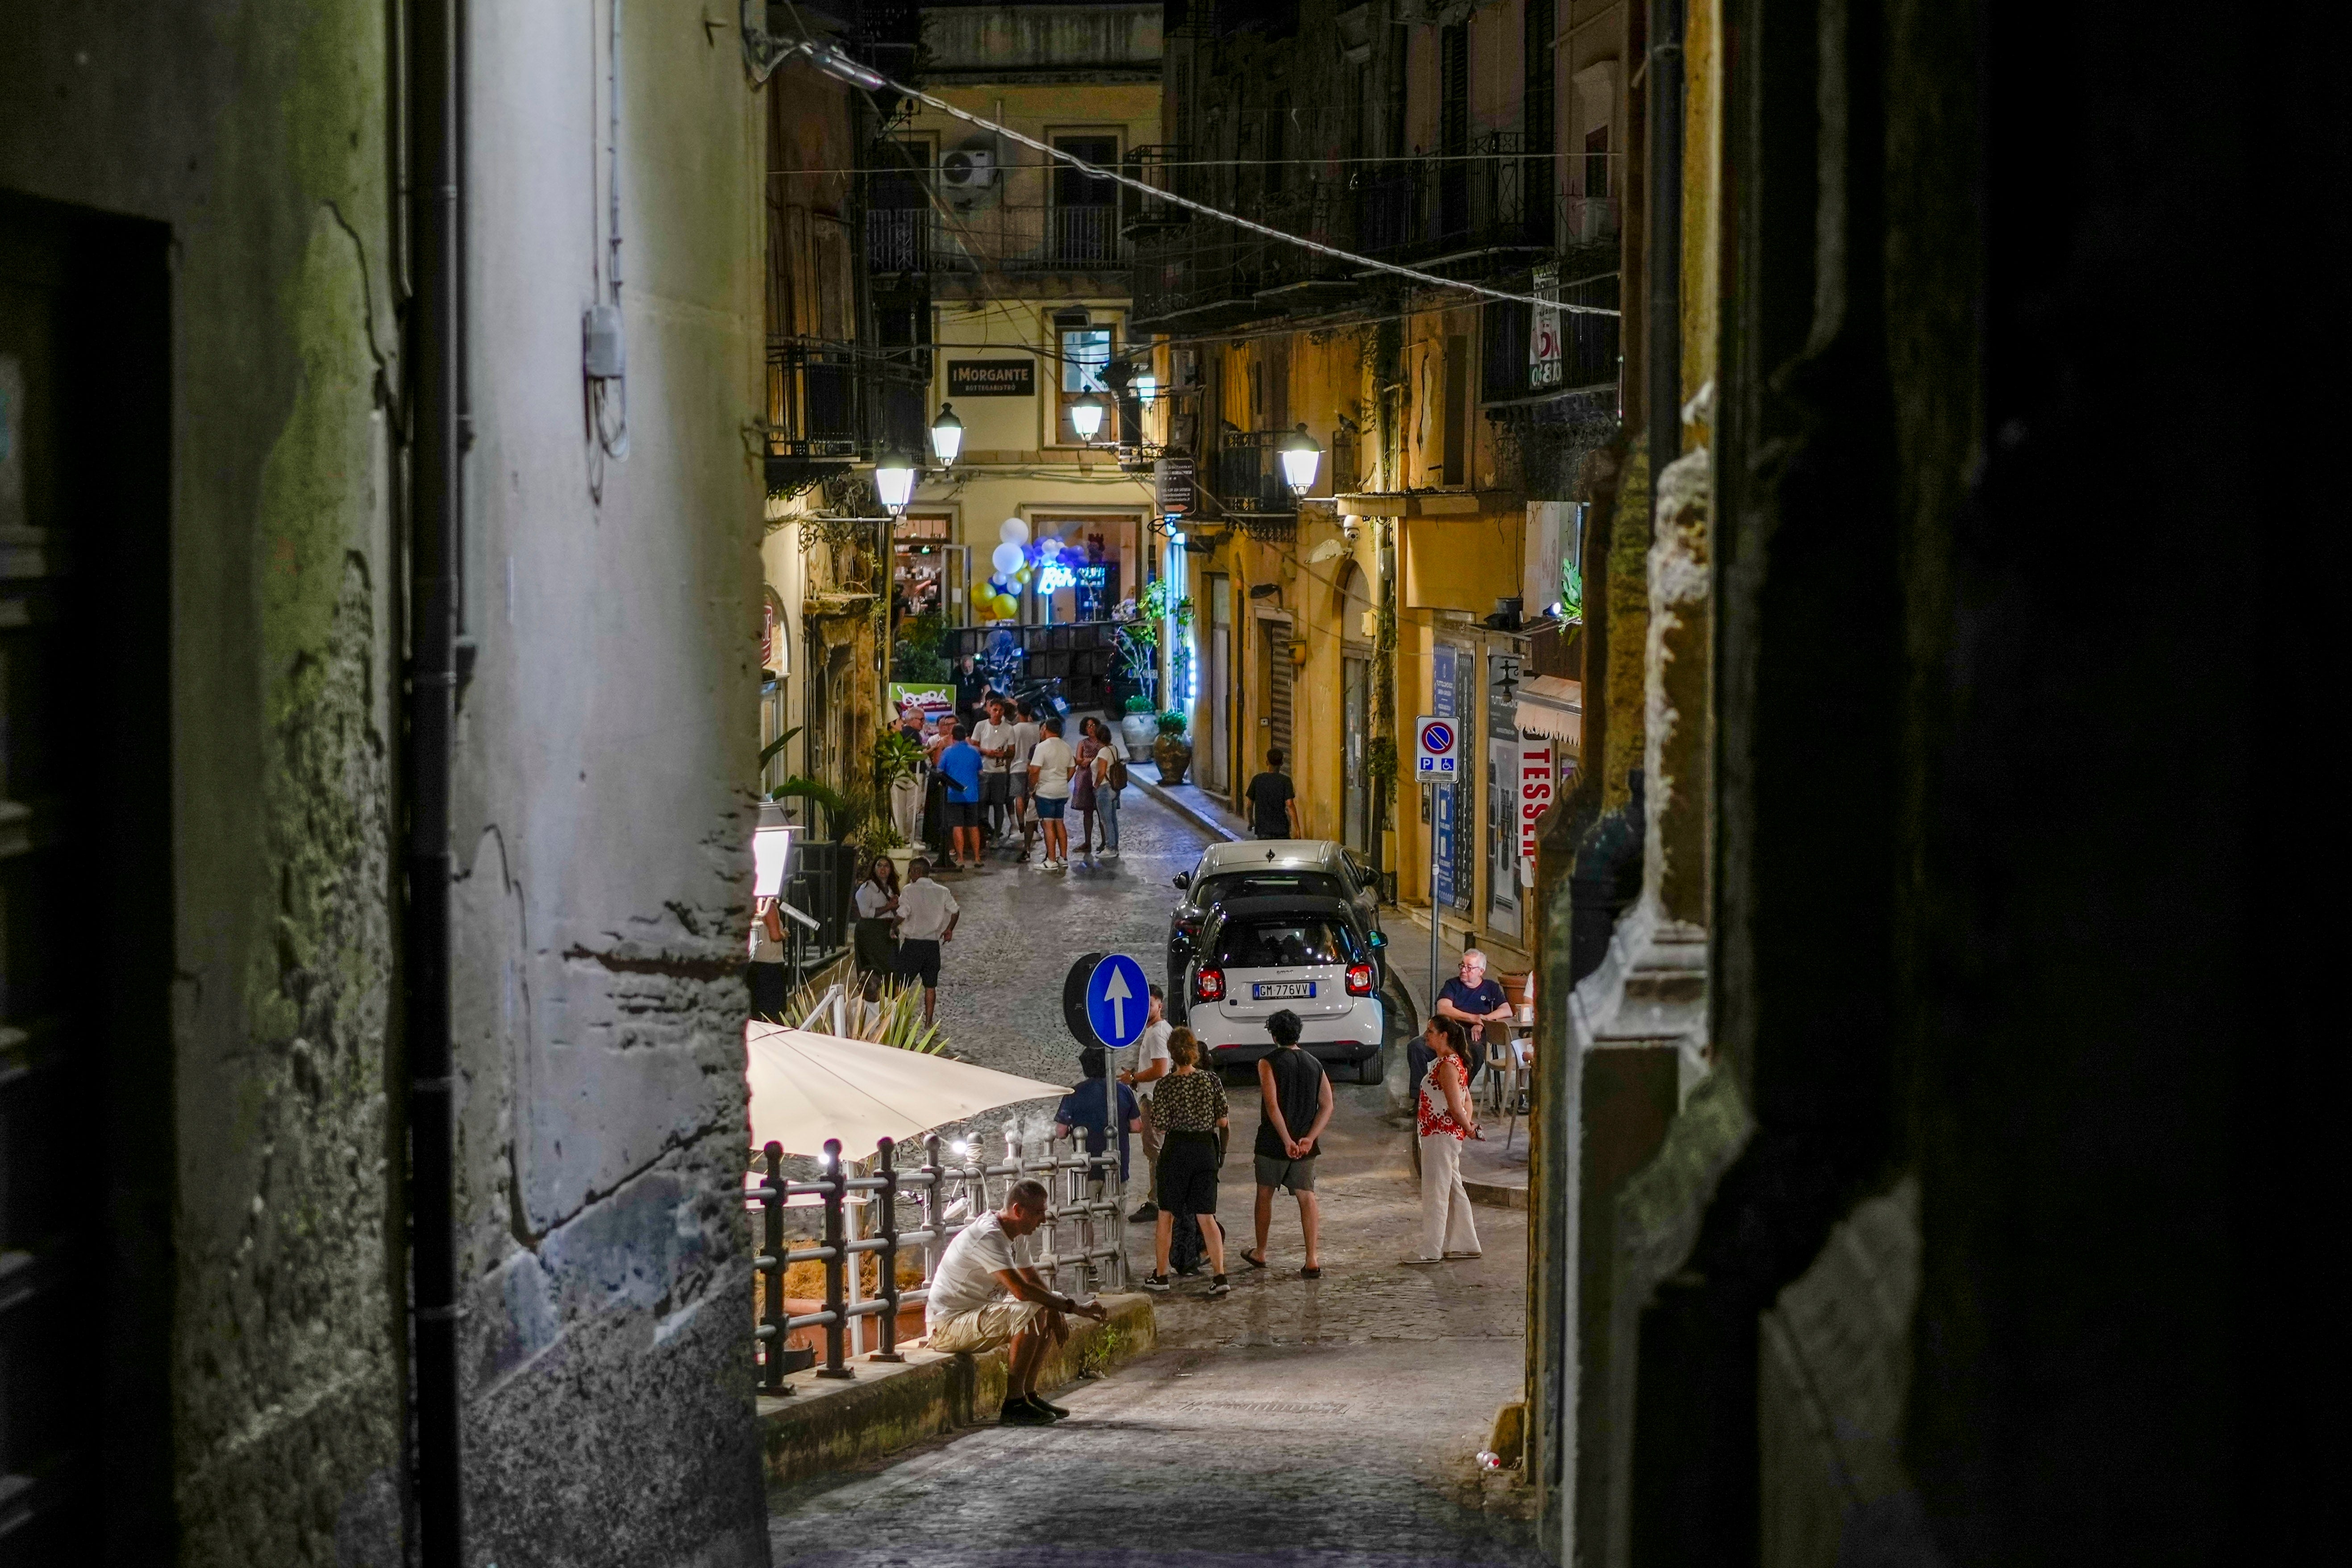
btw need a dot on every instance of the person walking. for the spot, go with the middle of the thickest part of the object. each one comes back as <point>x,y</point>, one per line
<point>1082,785</point>
<point>1110,777</point>
<point>1189,1106</point>
<point>960,765</point>
<point>993,739</point>
<point>876,942</point>
<point>1446,1118</point>
<point>927,913</point>
<point>1026,736</point>
<point>1295,1105</point>
<point>1051,766</point>
<point>1152,1065</point>
<point>1274,804</point>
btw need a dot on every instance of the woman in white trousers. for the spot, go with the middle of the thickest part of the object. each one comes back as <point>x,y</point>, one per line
<point>1446,1118</point>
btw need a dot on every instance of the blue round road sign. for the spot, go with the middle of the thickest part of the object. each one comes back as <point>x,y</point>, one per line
<point>1438,738</point>
<point>1118,1000</point>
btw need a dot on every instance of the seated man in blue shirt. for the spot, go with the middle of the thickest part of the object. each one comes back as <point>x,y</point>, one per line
<point>1477,1004</point>
<point>960,766</point>
<point>1083,1108</point>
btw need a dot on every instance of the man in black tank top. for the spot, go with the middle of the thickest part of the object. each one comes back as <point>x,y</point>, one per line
<point>1295,1096</point>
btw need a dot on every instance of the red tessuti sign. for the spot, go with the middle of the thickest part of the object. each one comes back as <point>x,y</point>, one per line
<point>1535,799</point>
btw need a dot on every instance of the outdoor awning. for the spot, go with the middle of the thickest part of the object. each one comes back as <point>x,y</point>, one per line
<point>807,1088</point>
<point>1552,705</point>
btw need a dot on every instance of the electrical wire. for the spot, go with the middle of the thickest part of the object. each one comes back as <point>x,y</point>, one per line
<point>832,64</point>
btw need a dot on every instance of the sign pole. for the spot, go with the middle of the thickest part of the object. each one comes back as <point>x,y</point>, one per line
<point>1436,955</point>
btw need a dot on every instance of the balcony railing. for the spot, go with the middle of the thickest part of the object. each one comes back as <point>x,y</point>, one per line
<point>833,404</point>
<point>1589,343</point>
<point>1250,485</point>
<point>1060,238</point>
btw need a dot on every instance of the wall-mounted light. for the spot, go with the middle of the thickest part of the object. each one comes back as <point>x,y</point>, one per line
<point>1147,387</point>
<point>947,434</point>
<point>1300,457</point>
<point>894,481</point>
<point>1087,416</point>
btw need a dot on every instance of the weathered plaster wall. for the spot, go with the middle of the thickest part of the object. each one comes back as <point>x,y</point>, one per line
<point>607,752</point>
<point>257,132</point>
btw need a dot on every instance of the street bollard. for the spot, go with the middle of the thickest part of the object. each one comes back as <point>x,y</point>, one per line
<point>889,1253</point>
<point>836,1242</point>
<point>771,1265</point>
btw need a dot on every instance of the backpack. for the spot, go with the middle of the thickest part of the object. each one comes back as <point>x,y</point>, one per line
<point>1117,776</point>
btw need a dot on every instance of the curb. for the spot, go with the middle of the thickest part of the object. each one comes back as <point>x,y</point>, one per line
<point>826,1425</point>
<point>1495,1195</point>
<point>1199,820</point>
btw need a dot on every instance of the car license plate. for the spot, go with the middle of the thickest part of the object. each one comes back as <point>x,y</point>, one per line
<point>1267,990</point>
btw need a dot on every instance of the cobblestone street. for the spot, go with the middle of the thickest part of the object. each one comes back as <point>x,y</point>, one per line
<point>1310,1422</point>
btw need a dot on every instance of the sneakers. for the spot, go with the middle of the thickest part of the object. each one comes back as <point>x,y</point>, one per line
<point>1110,853</point>
<point>1217,1286</point>
<point>1025,1412</point>
<point>1155,1282</point>
<point>1054,1410</point>
<point>1421,1262</point>
<point>1149,1210</point>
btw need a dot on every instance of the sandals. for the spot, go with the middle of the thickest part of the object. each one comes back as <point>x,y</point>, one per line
<point>1253,1259</point>
<point>1310,1273</point>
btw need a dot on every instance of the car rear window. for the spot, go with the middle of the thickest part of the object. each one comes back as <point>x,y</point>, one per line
<point>1271,883</point>
<point>1285,942</point>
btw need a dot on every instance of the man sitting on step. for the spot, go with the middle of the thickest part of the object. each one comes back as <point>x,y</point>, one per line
<point>983,1296</point>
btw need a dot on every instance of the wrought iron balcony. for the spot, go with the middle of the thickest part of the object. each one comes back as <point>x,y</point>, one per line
<point>1058,238</point>
<point>835,404</point>
<point>1588,345</point>
<point>1250,488</point>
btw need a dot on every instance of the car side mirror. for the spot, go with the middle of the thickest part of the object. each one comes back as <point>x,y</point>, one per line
<point>1184,878</point>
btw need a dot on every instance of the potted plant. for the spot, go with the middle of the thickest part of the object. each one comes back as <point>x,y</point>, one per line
<point>1173,750</point>
<point>1138,725</point>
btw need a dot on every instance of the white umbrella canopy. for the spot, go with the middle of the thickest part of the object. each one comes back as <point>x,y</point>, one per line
<point>807,1088</point>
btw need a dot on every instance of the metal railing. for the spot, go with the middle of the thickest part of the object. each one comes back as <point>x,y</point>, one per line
<point>841,401</point>
<point>860,1218</point>
<point>1001,237</point>
<point>1251,486</point>
<point>1589,343</point>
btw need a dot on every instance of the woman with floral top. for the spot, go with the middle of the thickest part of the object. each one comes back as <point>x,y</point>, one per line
<point>1188,1106</point>
<point>1446,1118</point>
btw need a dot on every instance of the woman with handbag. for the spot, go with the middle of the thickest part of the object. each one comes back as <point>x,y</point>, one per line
<point>1446,1118</point>
<point>877,938</point>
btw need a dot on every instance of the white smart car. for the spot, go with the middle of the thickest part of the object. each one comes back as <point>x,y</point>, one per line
<point>1258,956</point>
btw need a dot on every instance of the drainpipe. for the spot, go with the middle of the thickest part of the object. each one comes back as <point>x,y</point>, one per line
<point>1662,333</point>
<point>436,396</point>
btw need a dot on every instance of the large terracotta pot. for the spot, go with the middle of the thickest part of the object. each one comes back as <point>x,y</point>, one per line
<point>1174,755</point>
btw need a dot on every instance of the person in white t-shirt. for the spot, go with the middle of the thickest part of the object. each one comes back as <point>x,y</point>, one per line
<point>984,1294</point>
<point>927,913</point>
<point>1051,766</point>
<point>994,737</point>
<point>1150,1065</point>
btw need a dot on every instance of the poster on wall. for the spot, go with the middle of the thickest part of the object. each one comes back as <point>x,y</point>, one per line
<point>936,701</point>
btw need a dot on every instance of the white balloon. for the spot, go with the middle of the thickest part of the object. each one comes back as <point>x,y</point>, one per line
<point>1013,531</point>
<point>1007,557</point>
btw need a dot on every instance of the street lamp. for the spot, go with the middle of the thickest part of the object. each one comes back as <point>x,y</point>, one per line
<point>947,435</point>
<point>1087,416</point>
<point>1300,457</point>
<point>894,481</point>
<point>1147,387</point>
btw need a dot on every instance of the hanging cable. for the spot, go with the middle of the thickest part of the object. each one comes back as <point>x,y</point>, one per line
<point>826,59</point>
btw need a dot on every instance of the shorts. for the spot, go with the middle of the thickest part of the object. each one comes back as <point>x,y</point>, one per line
<point>996,789</point>
<point>983,1328</point>
<point>919,961</point>
<point>1020,777</point>
<point>963,813</point>
<point>1298,1176</point>
<point>1188,1173</point>
<point>1051,810</point>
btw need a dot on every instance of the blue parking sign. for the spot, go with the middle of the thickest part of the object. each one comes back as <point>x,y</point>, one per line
<point>1118,1000</point>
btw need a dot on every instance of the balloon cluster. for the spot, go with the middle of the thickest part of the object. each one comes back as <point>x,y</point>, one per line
<point>1000,598</point>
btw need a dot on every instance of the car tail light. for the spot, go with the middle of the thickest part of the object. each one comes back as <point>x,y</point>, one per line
<point>1188,927</point>
<point>1209,985</point>
<point>1360,980</point>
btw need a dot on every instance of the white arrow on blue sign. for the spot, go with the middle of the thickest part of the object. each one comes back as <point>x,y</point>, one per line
<point>1118,1000</point>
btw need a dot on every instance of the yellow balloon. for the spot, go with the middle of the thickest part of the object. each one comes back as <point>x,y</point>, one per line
<point>1007,606</point>
<point>1021,575</point>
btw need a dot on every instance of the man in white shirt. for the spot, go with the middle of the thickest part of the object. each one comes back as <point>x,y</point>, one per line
<point>1050,768</point>
<point>983,1295</point>
<point>1026,736</point>
<point>1152,1064</point>
<point>927,920</point>
<point>994,737</point>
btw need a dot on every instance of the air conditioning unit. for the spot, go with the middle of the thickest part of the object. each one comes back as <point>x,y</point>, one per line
<point>969,174</point>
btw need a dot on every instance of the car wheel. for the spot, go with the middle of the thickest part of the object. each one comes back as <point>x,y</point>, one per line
<point>1374,1068</point>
